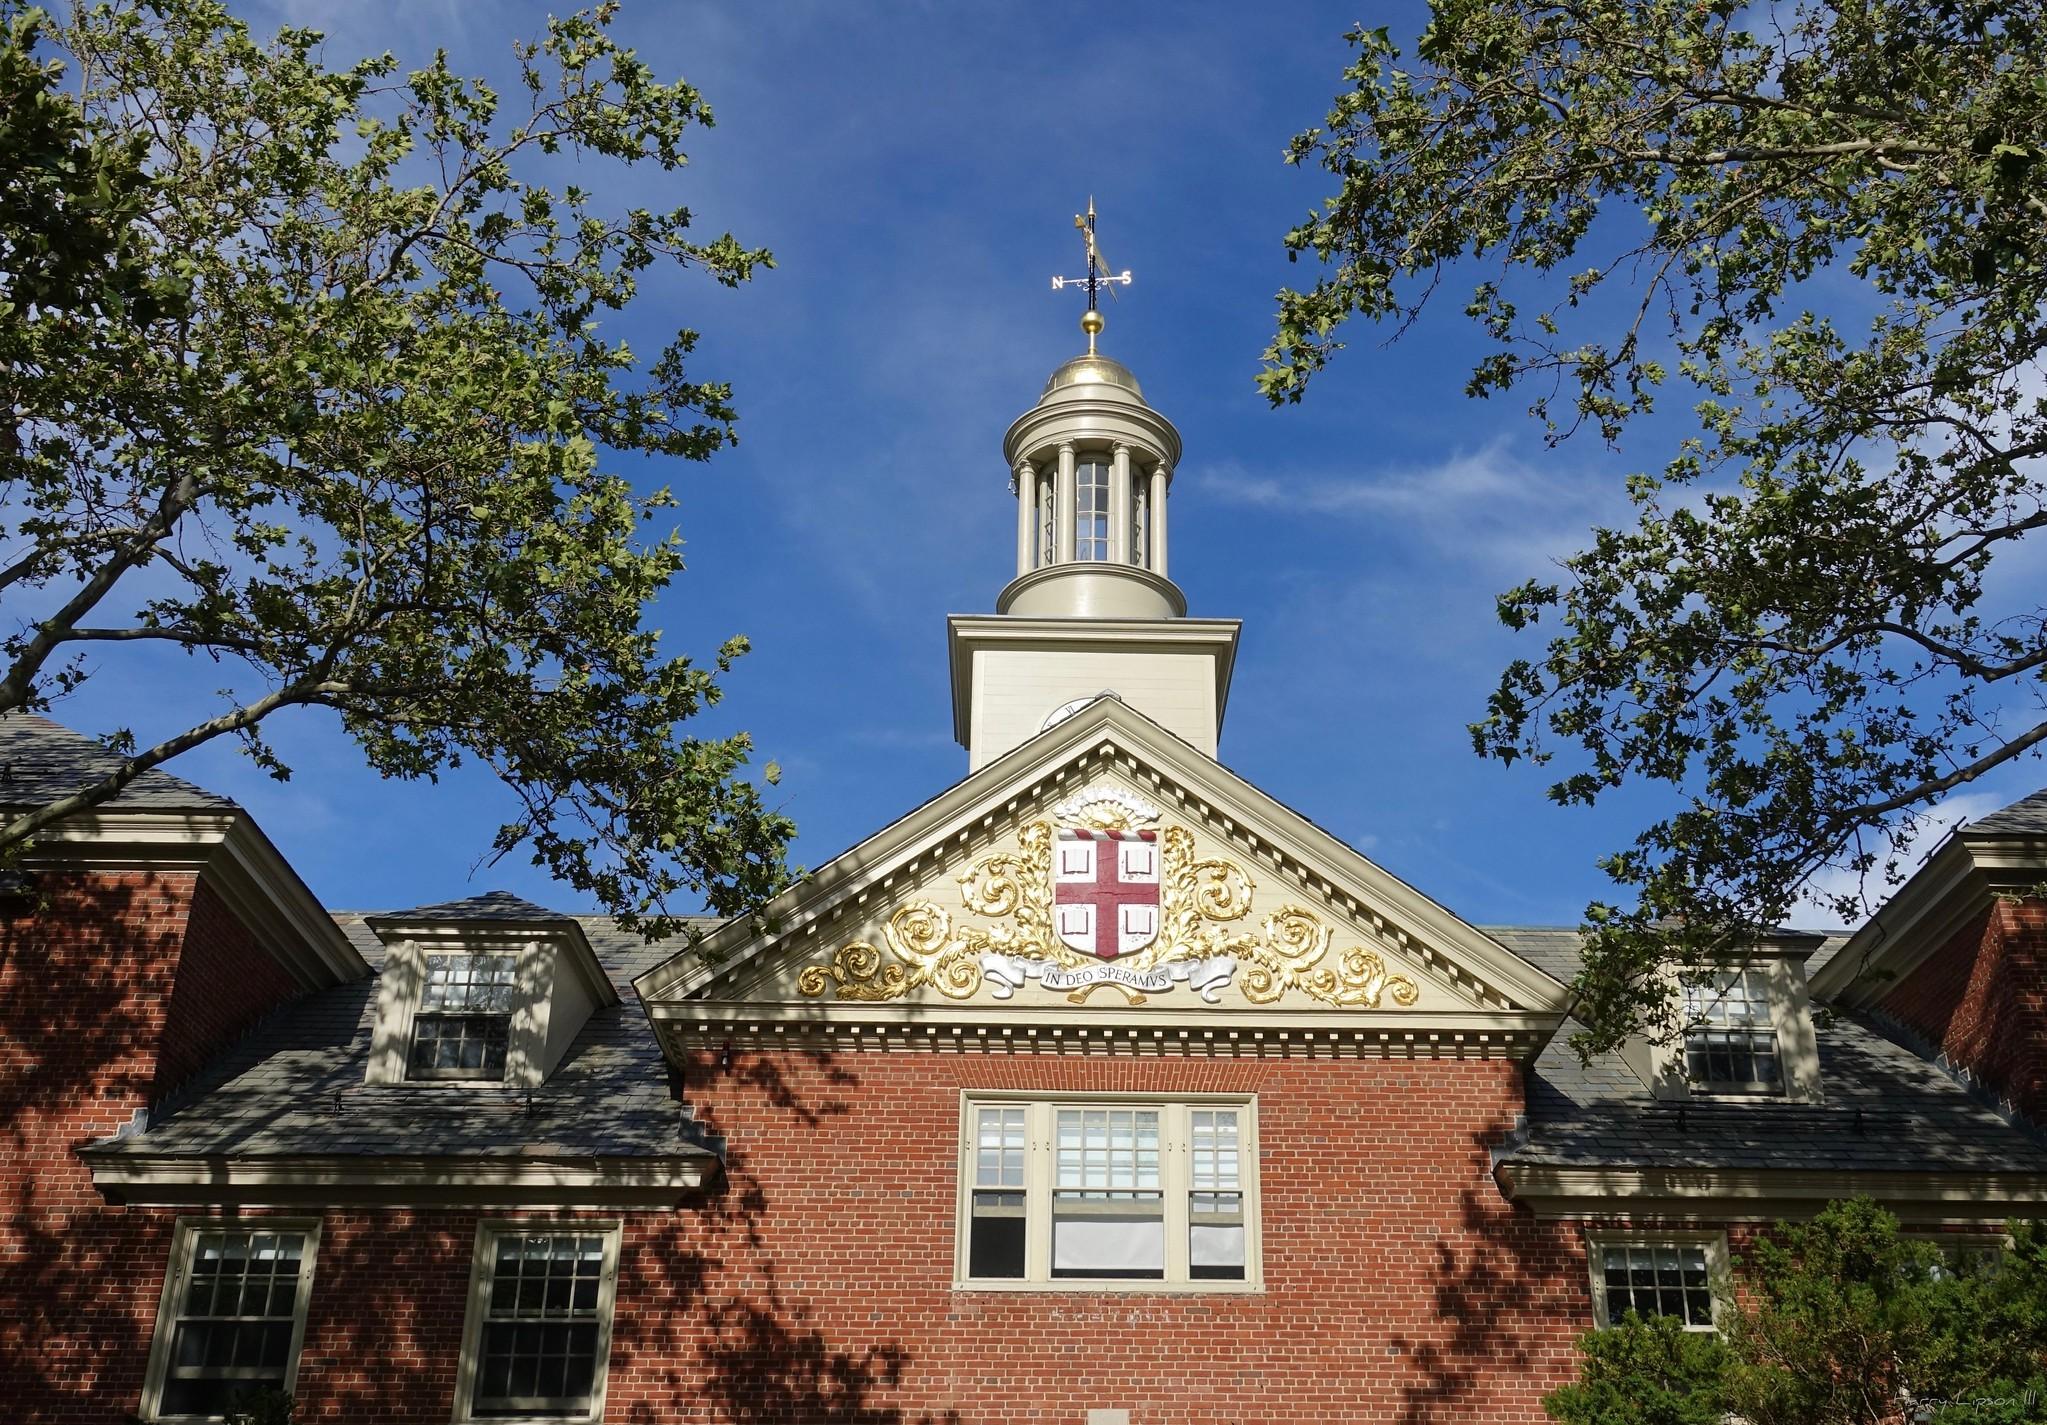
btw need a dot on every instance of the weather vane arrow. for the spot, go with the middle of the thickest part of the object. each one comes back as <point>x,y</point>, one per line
<point>1098,277</point>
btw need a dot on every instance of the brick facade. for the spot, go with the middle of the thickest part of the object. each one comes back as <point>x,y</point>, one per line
<point>814,1282</point>
<point>111,991</point>
<point>1982,1000</point>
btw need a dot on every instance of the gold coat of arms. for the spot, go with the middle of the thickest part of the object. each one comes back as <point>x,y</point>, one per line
<point>1104,900</point>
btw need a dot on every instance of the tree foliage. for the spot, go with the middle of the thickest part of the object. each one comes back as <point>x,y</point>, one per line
<point>1842,1321</point>
<point>1822,226</point>
<point>303,371</point>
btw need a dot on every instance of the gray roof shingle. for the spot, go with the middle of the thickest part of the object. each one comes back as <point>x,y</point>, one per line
<point>294,1087</point>
<point>2025,817</point>
<point>1886,1109</point>
<point>491,905</point>
<point>41,761</point>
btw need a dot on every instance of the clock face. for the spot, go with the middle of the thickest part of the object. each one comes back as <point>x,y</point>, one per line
<point>1067,710</point>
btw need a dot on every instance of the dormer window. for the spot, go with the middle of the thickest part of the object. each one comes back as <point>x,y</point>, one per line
<point>1730,1039</point>
<point>464,1022</point>
<point>482,993</point>
<point>1745,1029</point>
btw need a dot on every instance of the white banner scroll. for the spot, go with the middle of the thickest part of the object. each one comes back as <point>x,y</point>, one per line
<point>1006,974</point>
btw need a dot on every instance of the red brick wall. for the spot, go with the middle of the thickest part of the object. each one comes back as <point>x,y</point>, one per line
<point>1982,998</point>
<point>113,987</point>
<point>225,981</point>
<point>1398,1285</point>
<point>815,1282</point>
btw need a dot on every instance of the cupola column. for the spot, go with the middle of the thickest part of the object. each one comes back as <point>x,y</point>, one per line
<point>1119,505</point>
<point>1063,502</point>
<point>1026,514</point>
<point>1155,518</point>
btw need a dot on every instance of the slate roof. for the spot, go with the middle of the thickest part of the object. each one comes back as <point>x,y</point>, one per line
<point>294,1086</point>
<point>491,905</point>
<point>41,760</point>
<point>1886,1109</point>
<point>2025,817</point>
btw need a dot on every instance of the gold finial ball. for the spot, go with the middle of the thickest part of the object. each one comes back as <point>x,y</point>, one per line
<point>1091,322</point>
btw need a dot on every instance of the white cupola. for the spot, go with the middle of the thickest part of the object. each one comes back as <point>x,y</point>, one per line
<point>1091,610</point>
<point>1091,465</point>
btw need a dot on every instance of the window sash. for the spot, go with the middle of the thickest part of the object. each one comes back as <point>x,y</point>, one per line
<point>1091,510</point>
<point>232,1316</point>
<point>1731,1042</point>
<point>459,1046</point>
<point>1656,1277</point>
<point>1113,1192</point>
<point>539,1335</point>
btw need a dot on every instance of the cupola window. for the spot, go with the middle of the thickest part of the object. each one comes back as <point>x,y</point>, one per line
<point>1139,531</point>
<point>1091,509</point>
<point>1048,521</point>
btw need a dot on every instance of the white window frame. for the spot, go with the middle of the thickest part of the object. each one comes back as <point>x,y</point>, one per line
<point>1755,982</point>
<point>402,988</point>
<point>1092,500</point>
<point>481,1267</point>
<point>422,1011</point>
<point>1175,1183</point>
<point>1719,1271</point>
<point>177,1272</point>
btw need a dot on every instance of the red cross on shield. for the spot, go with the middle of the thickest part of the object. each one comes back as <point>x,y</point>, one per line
<point>1105,891</point>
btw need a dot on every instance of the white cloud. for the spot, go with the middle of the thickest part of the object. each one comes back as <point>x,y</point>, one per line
<point>1486,506</point>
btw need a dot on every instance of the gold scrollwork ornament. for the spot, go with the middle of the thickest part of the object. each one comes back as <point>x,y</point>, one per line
<point>1199,899</point>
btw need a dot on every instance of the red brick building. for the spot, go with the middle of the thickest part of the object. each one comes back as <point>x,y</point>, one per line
<point>1102,1087</point>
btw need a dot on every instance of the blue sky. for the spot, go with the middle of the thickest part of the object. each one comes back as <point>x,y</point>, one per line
<point>915,169</point>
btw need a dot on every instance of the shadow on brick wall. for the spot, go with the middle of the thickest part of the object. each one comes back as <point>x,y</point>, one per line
<point>736,1348</point>
<point>81,1024</point>
<point>1500,1291</point>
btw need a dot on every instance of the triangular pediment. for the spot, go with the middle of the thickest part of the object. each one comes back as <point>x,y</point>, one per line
<point>1107,876</point>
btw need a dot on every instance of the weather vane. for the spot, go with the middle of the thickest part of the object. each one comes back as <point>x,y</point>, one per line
<point>1098,277</point>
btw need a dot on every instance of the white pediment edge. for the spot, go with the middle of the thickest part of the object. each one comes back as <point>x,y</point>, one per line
<point>1352,887</point>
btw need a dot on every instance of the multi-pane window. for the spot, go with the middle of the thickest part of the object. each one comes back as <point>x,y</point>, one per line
<point>995,1232</point>
<point>1091,509</point>
<point>233,1310</point>
<point>1215,1205</point>
<point>1070,1192</point>
<point>1140,530</point>
<point>541,1323</point>
<point>1048,521</point>
<point>1672,1279</point>
<point>1959,1256</point>
<point>464,1020</point>
<point>1729,1040</point>
<point>1108,1203</point>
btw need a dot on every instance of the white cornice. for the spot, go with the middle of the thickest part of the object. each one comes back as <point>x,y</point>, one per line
<point>1058,1029</point>
<point>235,858</point>
<point>137,1180</point>
<point>1763,1194</point>
<point>1106,733</point>
<point>965,634</point>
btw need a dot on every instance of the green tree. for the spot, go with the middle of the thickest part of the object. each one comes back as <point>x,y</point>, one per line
<point>1842,1321</point>
<point>1823,227</point>
<point>302,370</point>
